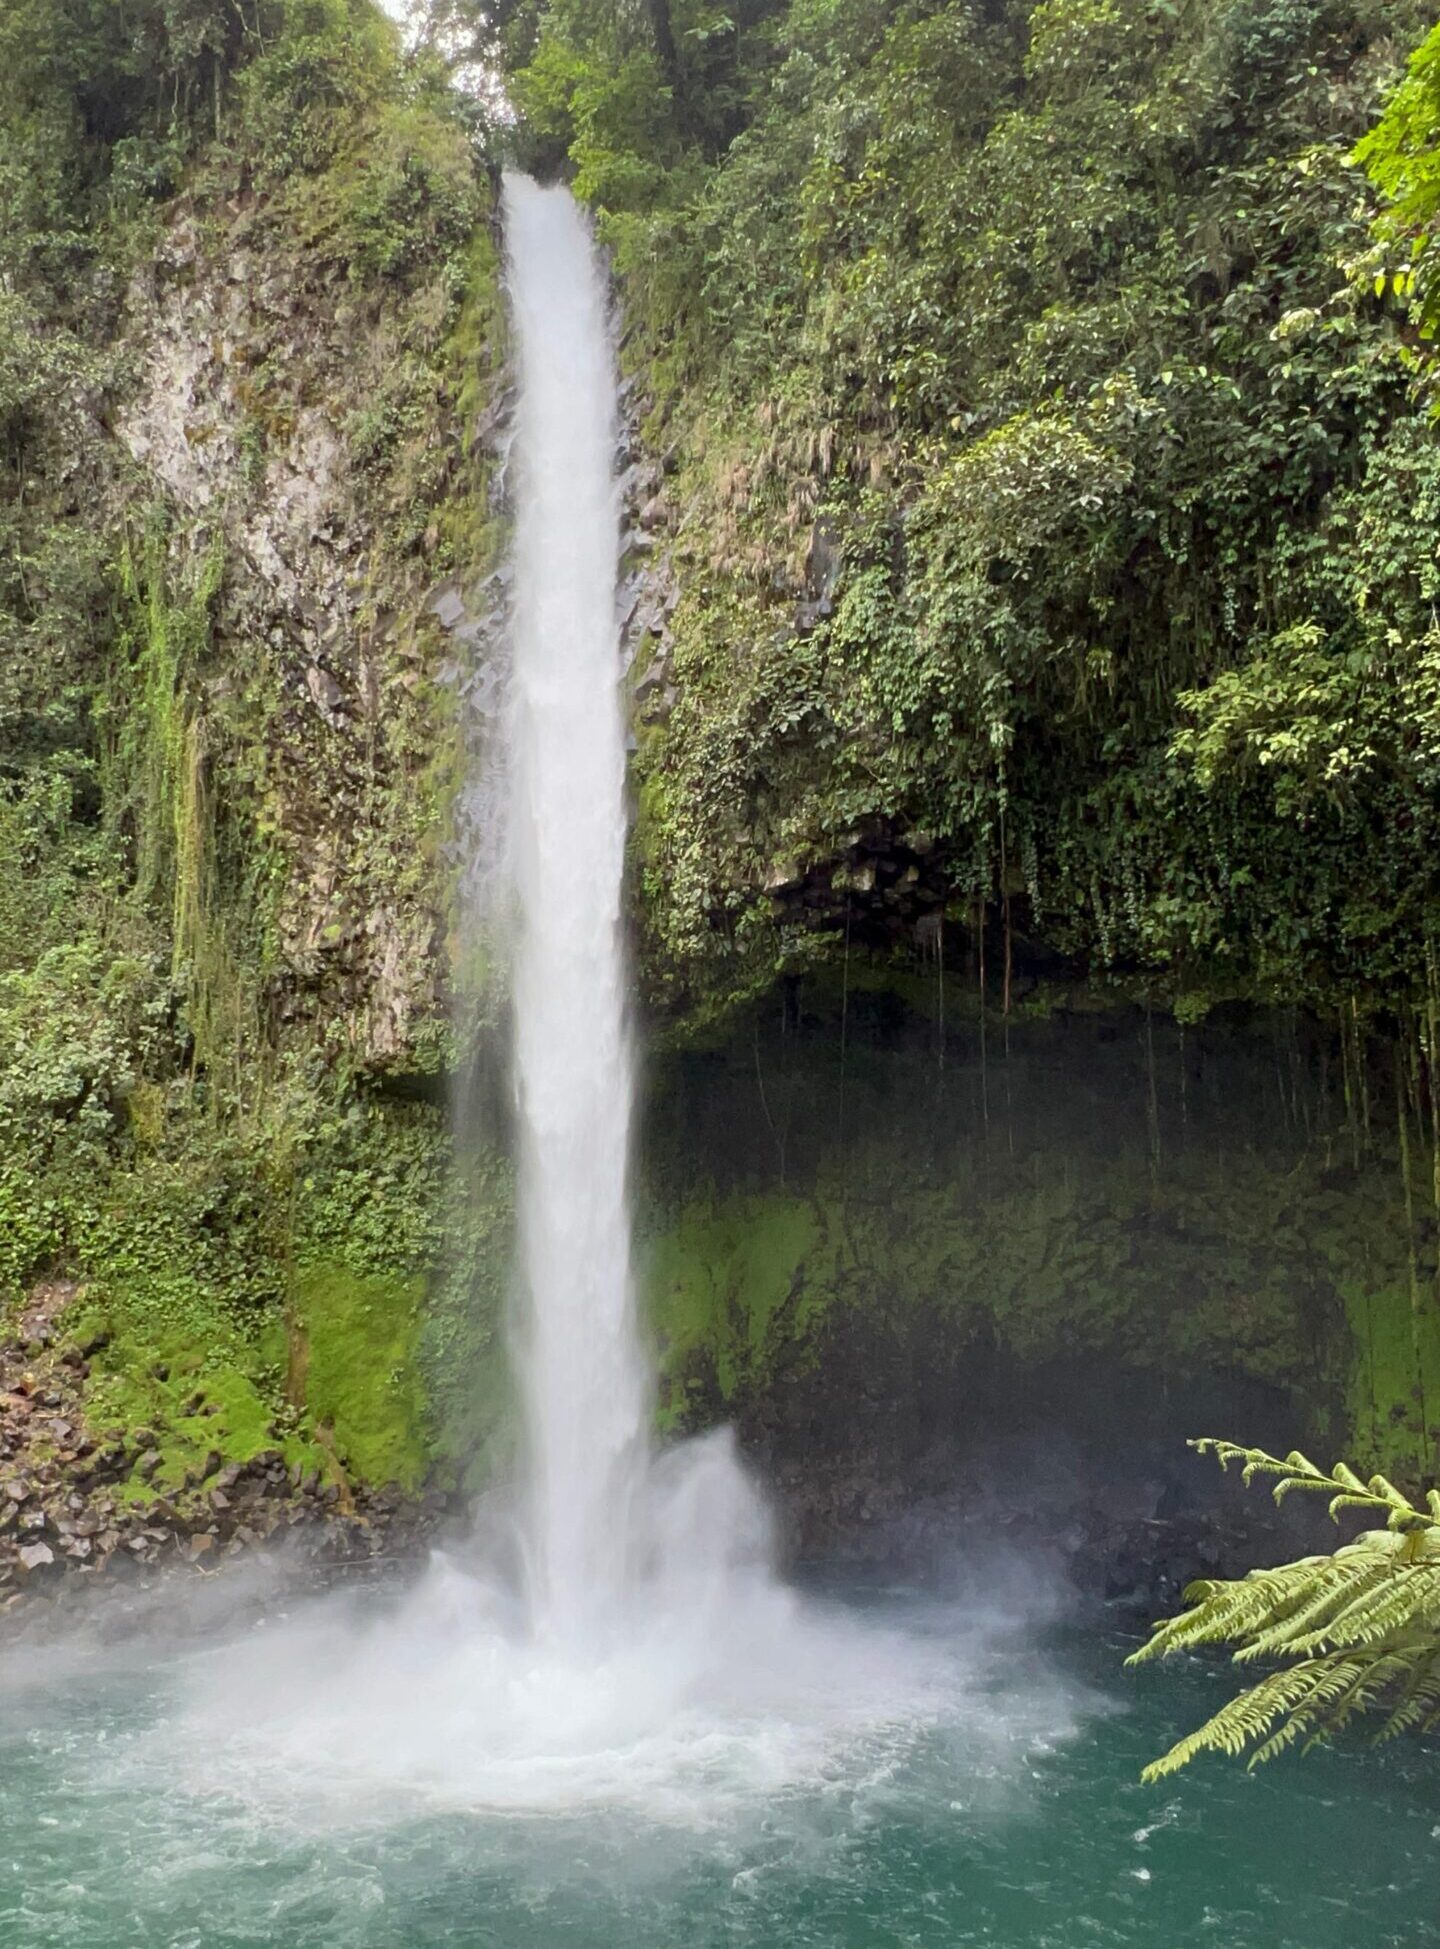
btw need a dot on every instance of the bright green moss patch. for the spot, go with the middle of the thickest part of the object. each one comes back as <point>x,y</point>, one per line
<point>723,1283</point>
<point>195,1393</point>
<point>362,1335</point>
<point>1394,1383</point>
<point>1204,1272</point>
<point>461,1358</point>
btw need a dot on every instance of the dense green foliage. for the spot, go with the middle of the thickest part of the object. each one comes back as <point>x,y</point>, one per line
<point>1402,155</point>
<point>185,1127</point>
<point>1038,314</point>
<point>1353,1632</point>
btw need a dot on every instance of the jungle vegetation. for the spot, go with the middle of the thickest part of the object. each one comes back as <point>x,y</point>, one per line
<point>183,1134</point>
<point>1065,326</point>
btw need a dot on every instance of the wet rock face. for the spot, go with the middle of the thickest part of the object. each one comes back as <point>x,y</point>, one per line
<point>649,575</point>
<point>69,1517</point>
<point>279,481</point>
<point>883,885</point>
<point>255,367</point>
<point>1118,1550</point>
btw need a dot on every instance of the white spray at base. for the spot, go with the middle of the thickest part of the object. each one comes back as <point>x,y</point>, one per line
<point>648,1656</point>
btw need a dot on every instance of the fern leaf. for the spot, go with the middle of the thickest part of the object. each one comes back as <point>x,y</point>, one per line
<point>1243,1720</point>
<point>1420,1696</point>
<point>1386,1491</point>
<point>1308,1626</point>
<point>1383,1611</point>
<point>1359,1627</point>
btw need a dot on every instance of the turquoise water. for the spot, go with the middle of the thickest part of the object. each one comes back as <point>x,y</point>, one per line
<point>1017,1822</point>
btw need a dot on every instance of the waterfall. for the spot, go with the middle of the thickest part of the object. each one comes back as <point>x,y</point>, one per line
<point>582,1371</point>
<point>648,1655</point>
<point>612,1533</point>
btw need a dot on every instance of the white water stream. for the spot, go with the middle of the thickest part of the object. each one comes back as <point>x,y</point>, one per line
<point>583,1373</point>
<point>609,1532</point>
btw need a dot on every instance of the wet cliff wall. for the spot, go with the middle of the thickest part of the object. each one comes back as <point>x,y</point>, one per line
<point>250,320</point>
<point>890,1239</point>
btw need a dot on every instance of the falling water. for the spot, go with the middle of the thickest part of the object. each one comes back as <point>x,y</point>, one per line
<point>611,1531</point>
<point>582,1370</point>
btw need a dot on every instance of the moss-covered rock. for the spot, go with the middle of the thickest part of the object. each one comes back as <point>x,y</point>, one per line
<point>356,1370</point>
<point>1102,1191</point>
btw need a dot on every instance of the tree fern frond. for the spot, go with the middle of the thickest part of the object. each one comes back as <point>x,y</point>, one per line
<point>1295,1594</point>
<point>1360,1627</point>
<point>1308,1626</point>
<point>1221,1610</point>
<point>1369,1685</point>
<point>1330,1682</point>
<point>1238,1723</point>
<point>1310,1702</point>
<point>1297,1471</point>
<point>1373,1615</point>
<point>1420,1696</point>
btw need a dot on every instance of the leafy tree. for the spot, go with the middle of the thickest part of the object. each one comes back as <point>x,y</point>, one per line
<point>633,92</point>
<point>1402,156</point>
<point>1354,1632</point>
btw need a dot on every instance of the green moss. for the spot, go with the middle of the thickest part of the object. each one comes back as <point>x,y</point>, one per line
<point>748,1290</point>
<point>727,1283</point>
<point>1392,1397</point>
<point>461,1358</point>
<point>361,1336</point>
<point>185,1111</point>
<point>197,1393</point>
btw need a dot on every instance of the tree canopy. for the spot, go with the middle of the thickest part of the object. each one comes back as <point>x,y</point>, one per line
<point>1402,155</point>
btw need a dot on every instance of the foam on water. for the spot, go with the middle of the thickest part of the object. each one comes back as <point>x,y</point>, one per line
<point>128,1825</point>
<point>452,1702</point>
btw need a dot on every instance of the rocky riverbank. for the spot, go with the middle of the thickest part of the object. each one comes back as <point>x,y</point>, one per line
<point>75,1512</point>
